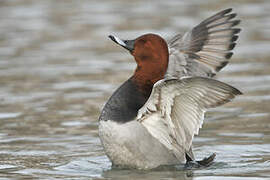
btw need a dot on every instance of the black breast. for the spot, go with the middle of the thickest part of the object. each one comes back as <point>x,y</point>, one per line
<point>124,104</point>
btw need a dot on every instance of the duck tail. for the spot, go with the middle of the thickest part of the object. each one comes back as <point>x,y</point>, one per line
<point>207,161</point>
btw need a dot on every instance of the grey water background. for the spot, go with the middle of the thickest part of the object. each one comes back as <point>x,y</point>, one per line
<point>58,68</point>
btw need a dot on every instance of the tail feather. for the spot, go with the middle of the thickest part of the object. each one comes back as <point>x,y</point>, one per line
<point>207,161</point>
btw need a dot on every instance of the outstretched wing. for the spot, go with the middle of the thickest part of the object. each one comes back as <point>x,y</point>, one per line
<point>175,109</point>
<point>205,49</point>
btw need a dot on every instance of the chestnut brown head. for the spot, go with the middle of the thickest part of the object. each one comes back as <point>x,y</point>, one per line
<point>150,51</point>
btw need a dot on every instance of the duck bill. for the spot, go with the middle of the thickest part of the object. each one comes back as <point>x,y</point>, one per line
<point>127,44</point>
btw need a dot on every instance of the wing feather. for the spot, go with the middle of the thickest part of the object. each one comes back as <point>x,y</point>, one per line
<point>205,49</point>
<point>175,110</point>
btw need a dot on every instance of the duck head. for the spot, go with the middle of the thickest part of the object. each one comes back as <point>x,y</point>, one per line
<point>150,52</point>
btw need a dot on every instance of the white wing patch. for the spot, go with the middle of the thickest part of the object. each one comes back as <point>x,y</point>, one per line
<point>175,110</point>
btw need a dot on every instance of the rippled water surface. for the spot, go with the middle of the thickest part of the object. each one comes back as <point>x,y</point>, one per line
<point>58,68</point>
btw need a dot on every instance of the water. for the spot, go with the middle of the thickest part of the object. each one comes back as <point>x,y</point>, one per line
<point>58,68</point>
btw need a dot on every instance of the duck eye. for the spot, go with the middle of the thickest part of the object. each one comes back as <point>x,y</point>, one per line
<point>142,41</point>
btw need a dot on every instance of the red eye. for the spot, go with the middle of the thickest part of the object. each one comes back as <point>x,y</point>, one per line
<point>142,41</point>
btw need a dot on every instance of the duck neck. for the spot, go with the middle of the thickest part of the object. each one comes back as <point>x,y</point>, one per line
<point>146,75</point>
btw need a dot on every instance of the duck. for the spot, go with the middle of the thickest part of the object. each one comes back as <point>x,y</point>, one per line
<point>152,118</point>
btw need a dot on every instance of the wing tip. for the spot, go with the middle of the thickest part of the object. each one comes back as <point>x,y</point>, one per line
<point>233,91</point>
<point>236,30</point>
<point>224,12</point>
<point>233,15</point>
<point>234,38</point>
<point>220,14</point>
<point>228,10</point>
<point>237,92</point>
<point>236,22</point>
<point>222,65</point>
<point>229,55</point>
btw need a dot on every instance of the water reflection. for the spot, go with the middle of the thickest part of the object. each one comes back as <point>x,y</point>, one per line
<point>58,68</point>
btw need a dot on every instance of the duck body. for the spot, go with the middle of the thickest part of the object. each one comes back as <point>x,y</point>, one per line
<point>151,119</point>
<point>126,141</point>
<point>130,145</point>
